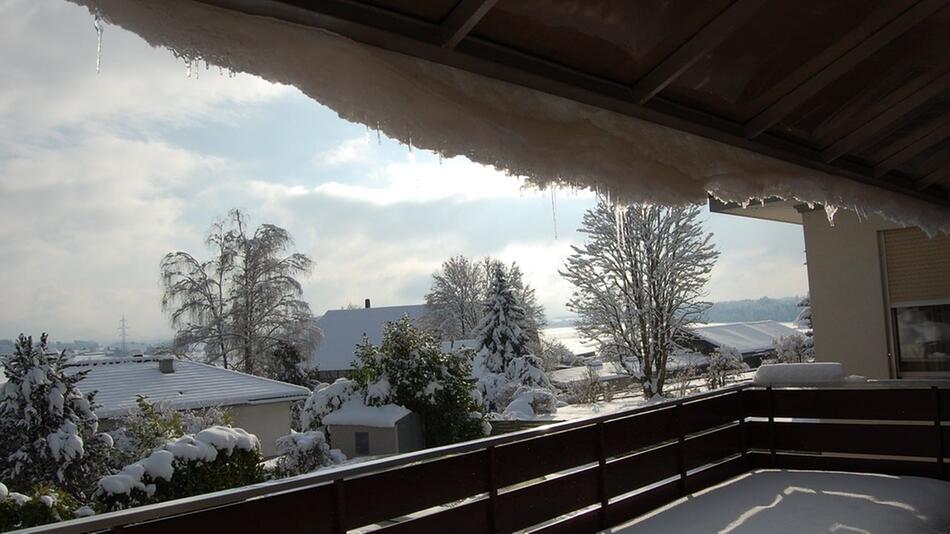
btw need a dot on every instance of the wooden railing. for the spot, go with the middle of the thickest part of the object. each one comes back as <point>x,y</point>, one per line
<point>582,476</point>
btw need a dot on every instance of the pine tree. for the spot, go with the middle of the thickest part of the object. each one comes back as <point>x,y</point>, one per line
<point>48,430</point>
<point>502,330</point>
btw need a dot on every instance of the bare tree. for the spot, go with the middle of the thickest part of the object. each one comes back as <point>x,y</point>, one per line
<point>197,299</point>
<point>638,281</point>
<point>244,302</point>
<point>455,300</point>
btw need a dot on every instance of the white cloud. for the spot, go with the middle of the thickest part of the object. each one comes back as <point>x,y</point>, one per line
<point>349,151</point>
<point>755,273</point>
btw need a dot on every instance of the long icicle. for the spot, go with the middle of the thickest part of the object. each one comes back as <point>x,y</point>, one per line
<point>97,23</point>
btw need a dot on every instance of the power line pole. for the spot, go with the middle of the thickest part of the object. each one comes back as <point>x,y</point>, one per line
<point>123,329</point>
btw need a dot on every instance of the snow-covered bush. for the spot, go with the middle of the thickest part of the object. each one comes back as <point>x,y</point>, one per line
<point>48,430</point>
<point>324,399</point>
<point>791,349</point>
<point>151,425</point>
<point>554,353</point>
<point>214,459</point>
<point>409,369</point>
<point>530,402</point>
<point>304,452</point>
<point>44,505</point>
<point>724,363</point>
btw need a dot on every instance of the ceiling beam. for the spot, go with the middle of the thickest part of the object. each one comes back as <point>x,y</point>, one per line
<point>938,176</point>
<point>421,39</point>
<point>462,19</point>
<point>934,169</point>
<point>708,37</point>
<point>841,66</point>
<point>886,121</point>
<point>922,143</point>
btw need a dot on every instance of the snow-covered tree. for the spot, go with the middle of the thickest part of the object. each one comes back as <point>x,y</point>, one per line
<point>791,349</point>
<point>304,452</point>
<point>48,430</point>
<point>325,399</point>
<point>245,301</point>
<point>724,363</point>
<point>804,322</point>
<point>638,281</point>
<point>453,304</point>
<point>501,332</point>
<point>459,289</point>
<point>409,369</point>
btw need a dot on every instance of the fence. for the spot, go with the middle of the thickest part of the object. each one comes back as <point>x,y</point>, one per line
<point>582,476</point>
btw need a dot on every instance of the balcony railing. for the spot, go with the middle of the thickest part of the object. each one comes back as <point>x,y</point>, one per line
<point>582,476</point>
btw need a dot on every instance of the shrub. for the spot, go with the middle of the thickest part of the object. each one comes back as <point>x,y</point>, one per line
<point>304,452</point>
<point>326,398</point>
<point>214,459</point>
<point>791,349</point>
<point>724,363</point>
<point>45,504</point>
<point>151,425</point>
<point>529,402</point>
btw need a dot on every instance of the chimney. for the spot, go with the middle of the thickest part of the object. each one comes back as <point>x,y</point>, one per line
<point>367,304</point>
<point>166,365</point>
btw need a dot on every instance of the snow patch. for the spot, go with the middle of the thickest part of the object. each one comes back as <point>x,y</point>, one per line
<point>355,412</point>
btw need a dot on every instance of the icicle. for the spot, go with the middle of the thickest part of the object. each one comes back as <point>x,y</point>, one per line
<point>197,69</point>
<point>379,137</point>
<point>553,205</point>
<point>97,23</point>
<point>440,157</point>
<point>410,144</point>
<point>830,213</point>
<point>188,68</point>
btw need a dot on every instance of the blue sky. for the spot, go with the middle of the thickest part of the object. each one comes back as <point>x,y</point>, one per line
<point>101,174</point>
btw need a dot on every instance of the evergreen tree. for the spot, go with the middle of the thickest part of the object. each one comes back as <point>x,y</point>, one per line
<point>502,330</point>
<point>48,430</point>
<point>409,369</point>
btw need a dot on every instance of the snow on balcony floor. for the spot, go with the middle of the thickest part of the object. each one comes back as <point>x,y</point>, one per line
<point>776,502</point>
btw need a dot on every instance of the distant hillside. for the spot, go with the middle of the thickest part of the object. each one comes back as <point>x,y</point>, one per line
<point>783,309</point>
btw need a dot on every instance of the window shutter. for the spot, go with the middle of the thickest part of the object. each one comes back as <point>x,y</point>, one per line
<point>918,267</point>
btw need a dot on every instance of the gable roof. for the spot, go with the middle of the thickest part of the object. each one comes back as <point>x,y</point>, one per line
<point>745,337</point>
<point>192,385</point>
<point>343,330</point>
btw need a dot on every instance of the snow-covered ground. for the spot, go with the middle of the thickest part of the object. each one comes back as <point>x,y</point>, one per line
<point>777,502</point>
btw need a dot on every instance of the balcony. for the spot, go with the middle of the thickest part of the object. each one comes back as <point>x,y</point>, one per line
<point>584,476</point>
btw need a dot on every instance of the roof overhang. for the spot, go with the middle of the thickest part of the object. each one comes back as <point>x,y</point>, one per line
<point>853,115</point>
<point>770,209</point>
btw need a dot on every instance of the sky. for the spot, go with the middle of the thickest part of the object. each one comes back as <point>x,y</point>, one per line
<point>103,173</point>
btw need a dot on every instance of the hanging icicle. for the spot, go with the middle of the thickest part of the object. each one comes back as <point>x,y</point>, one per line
<point>553,205</point>
<point>97,23</point>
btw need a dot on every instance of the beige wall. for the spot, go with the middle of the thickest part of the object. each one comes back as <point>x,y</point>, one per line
<point>847,292</point>
<point>267,421</point>
<point>381,440</point>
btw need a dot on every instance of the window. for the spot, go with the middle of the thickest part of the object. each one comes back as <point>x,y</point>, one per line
<point>922,338</point>
<point>362,443</point>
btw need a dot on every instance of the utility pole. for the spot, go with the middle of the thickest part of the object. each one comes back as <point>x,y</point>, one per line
<point>123,332</point>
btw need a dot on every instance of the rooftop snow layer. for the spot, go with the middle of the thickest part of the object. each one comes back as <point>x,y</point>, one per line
<point>343,330</point>
<point>571,338</point>
<point>745,337</point>
<point>192,385</point>
<point>354,412</point>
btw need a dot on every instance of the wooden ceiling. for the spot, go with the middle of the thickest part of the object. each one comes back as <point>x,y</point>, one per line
<point>857,88</point>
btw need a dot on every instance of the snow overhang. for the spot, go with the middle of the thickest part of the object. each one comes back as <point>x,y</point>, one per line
<point>430,84</point>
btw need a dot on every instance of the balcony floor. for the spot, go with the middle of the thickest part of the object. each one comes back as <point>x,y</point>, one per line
<point>774,502</point>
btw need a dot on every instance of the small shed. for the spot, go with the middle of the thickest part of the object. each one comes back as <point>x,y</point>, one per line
<point>360,430</point>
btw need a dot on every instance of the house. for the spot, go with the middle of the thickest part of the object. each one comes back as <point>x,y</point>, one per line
<point>880,291</point>
<point>360,430</point>
<point>753,339</point>
<point>259,405</point>
<point>344,329</point>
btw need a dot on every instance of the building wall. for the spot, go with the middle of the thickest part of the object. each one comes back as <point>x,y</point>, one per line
<point>847,292</point>
<point>411,433</point>
<point>267,421</point>
<point>381,440</point>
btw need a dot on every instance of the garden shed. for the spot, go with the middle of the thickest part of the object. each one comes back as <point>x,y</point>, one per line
<point>359,430</point>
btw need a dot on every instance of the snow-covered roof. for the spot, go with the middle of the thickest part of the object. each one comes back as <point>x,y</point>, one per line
<point>343,330</point>
<point>745,337</point>
<point>192,385</point>
<point>605,371</point>
<point>354,412</point>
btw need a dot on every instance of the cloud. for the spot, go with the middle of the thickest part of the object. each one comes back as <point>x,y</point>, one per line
<point>751,273</point>
<point>349,151</point>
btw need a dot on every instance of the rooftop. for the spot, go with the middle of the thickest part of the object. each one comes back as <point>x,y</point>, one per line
<point>745,337</point>
<point>192,385</point>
